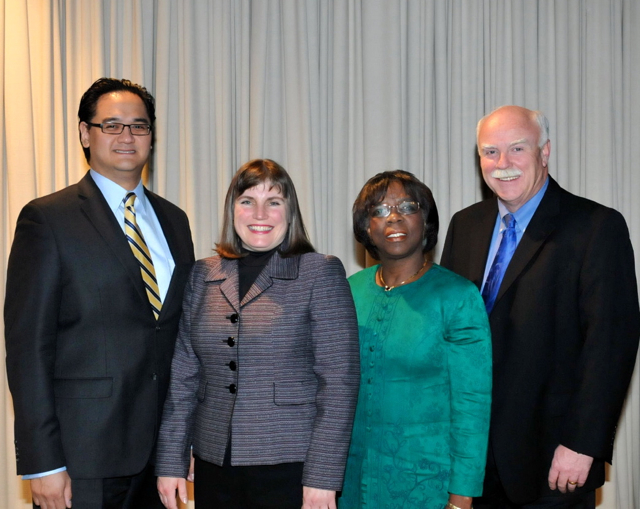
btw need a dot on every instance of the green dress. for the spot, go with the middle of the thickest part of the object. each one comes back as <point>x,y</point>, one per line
<point>422,420</point>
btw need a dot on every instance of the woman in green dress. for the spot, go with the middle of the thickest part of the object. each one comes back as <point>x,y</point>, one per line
<point>422,420</point>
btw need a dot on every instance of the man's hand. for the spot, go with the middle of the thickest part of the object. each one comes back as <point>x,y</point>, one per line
<point>314,498</point>
<point>569,469</point>
<point>52,491</point>
<point>167,487</point>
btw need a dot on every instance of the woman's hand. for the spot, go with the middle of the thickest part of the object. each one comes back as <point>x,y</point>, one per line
<point>314,498</point>
<point>460,501</point>
<point>167,487</point>
<point>191,475</point>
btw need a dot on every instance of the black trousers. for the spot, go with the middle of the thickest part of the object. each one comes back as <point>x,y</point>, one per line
<point>568,501</point>
<point>250,487</point>
<point>494,496</point>
<point>133,492</point>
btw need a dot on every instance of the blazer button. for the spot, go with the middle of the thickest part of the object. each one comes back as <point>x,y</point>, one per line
<point>233,318</point>
<point>231,341</point>
<point>232,365</point>
<point>232,388</point>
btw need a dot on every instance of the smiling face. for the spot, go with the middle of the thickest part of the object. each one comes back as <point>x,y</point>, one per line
<point>119,157</point>
<point>397,236</point>
<point>260,217</point>
<point>513,165</point>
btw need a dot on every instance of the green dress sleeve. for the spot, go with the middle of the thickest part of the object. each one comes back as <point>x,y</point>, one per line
<point>469,361</point>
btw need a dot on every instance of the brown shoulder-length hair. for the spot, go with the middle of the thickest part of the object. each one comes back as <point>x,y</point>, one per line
<point>251,174</point>
<point>374,192</point>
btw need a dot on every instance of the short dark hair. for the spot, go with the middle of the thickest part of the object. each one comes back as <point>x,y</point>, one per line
<point>89,101</point>
<point>374,192</point>
<point>251,174</point>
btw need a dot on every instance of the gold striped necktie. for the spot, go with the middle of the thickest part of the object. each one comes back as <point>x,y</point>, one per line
<point>141,252</point>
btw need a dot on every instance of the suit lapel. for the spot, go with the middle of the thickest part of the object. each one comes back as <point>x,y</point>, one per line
<point>277,268</point>
<point>178,242</point>
<point>96,209</point>
<point>480,240</point>
<point>227,270</point>
<point>542,224</point>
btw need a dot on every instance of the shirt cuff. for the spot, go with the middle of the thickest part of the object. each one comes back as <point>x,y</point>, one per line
<point>36,476</point>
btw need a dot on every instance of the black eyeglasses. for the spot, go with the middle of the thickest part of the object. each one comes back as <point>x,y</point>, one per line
<point>115,128</point>
<point>406,208</point>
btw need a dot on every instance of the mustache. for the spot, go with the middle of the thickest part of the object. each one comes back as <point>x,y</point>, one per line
<point>508,173</point>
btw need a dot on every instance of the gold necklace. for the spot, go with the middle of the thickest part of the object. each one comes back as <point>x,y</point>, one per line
<point>388,288</point>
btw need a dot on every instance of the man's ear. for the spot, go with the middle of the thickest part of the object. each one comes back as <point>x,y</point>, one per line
<point>544,153</point>
<point>84,134</point>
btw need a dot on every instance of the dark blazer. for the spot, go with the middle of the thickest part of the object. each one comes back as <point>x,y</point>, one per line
<point>87,363</point>
<point>277,372</point>
<point>565,330</point>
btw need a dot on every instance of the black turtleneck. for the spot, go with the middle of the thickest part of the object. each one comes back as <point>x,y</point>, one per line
<point>250,266</point>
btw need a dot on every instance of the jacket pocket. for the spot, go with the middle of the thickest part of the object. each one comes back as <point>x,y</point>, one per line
<point>295,392</point>
<point>83,387</point>
<point>202,390</point>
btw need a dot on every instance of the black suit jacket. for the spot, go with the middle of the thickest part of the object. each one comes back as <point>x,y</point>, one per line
<point>87,363</point>
<point>565,330</point>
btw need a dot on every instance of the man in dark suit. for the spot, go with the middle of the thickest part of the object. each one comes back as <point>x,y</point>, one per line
<point>90,329</point>
<point>564,318</point>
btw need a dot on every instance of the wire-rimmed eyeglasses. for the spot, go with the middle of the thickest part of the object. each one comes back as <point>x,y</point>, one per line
<point>117,128</point>
<point>406,208</point>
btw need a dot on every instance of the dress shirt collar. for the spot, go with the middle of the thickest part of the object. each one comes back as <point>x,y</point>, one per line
<point>114,193</point>
<point>524,214</point>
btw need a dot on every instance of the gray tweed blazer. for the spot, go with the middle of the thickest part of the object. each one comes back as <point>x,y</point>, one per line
<point>278,372</point>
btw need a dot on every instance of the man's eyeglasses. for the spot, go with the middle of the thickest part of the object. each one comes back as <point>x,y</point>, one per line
<point>406,208</point>
<point>115,128</point>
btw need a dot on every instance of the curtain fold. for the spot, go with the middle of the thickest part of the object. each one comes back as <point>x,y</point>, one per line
<point>336,91</point>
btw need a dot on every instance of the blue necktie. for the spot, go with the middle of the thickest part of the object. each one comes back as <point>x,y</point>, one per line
<point>500,262</point>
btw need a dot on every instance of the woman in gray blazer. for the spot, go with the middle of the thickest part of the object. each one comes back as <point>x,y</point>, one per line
<point>265,372</point>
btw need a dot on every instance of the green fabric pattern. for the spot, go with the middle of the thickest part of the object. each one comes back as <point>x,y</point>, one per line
<point>422,419</point>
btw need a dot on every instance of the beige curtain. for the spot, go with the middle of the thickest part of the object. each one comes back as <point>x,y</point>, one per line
<point>335,91</point>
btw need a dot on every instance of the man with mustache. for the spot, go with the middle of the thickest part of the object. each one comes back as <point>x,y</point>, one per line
<point>557,275</point>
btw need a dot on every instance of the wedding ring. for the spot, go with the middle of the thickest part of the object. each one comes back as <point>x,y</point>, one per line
<point>572,483</point>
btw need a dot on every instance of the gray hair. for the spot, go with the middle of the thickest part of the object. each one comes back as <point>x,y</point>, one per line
<point>536,116</point>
